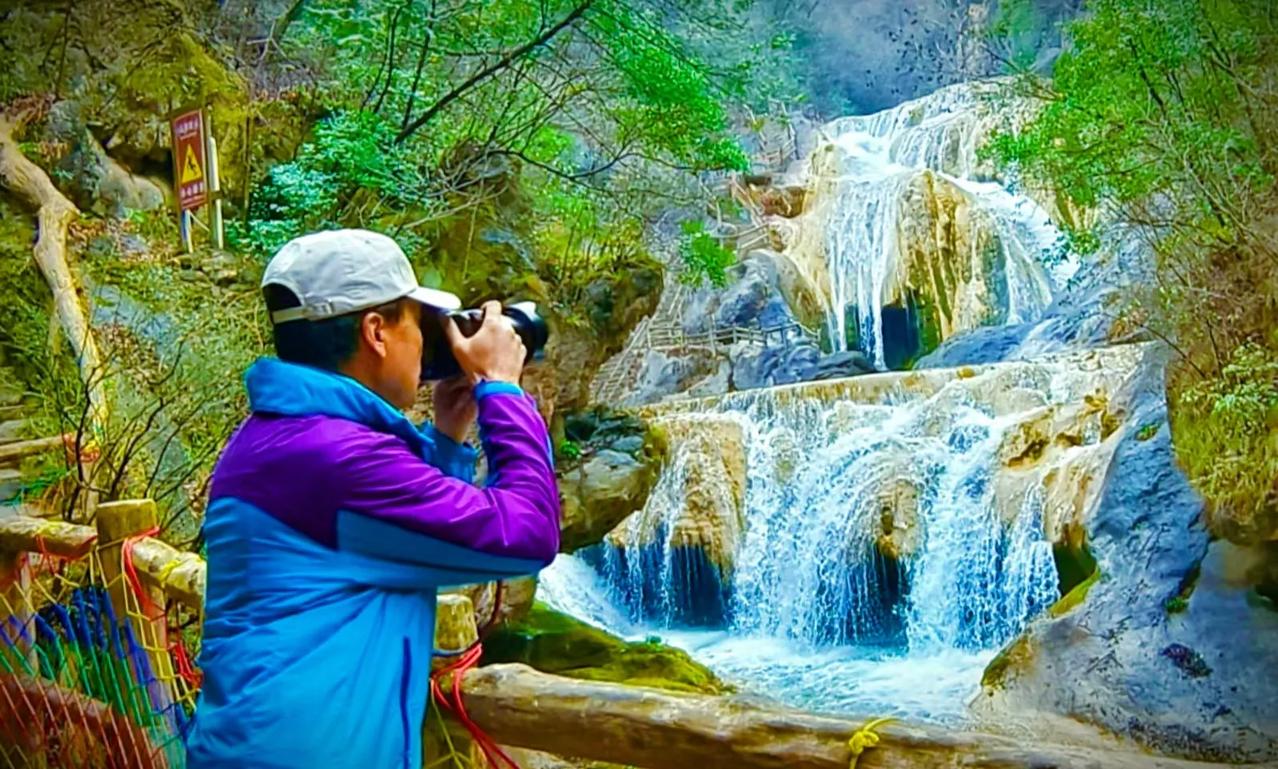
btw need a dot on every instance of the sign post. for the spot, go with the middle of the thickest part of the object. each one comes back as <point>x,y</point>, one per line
<point>189,162</point>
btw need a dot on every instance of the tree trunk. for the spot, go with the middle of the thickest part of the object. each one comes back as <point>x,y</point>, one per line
<point>54,213</point>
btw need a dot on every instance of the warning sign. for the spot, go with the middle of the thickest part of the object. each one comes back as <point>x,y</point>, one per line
<point>191,169</point>
<point>188,159</point>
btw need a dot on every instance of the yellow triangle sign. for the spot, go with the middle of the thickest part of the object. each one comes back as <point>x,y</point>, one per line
<point>191,171</point>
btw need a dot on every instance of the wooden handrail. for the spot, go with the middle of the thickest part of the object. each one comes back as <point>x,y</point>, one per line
<point>179,574</point>
<point>631,725</point>
<point>24,534</point>
<point>22,449</point>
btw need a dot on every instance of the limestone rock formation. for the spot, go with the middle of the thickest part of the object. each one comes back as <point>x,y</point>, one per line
<point>600,493</point>
<point>702,509</point>
<point>611,479</point>
<point>1163,643</point>
<point>951,262</point>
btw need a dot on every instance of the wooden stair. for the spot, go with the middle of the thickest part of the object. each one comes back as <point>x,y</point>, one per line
<point>15,441</point>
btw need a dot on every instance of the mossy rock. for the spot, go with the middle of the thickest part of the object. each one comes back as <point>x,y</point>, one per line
<point>554,642</point>
<point>1016,655</point>
<point>1075,597</point>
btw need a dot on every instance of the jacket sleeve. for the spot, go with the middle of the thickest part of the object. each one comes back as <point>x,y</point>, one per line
<point>454,459</point>
<point>395,506</point>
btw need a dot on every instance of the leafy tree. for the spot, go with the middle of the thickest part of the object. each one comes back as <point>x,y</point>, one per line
<point>1162,116</point>
<point>568,122</point>
<point>704,257</point>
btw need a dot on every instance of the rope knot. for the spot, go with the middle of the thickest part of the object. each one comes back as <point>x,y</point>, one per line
<point>865,738</point>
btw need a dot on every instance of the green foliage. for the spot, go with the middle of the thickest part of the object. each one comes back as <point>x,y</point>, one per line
<point>1147,431</point>
<point>1226,430</point>
<point>1149,102</point>
<point>348,171</point>
<point>704,257</point>
<point>569,450</point>
<point>1162,116</point>
<point>670,106</point>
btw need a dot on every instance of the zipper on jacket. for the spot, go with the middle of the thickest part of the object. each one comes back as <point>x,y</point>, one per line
<point>404,683</point>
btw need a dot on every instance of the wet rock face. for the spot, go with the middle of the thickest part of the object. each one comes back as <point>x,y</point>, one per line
<point>692,525</point>
<point>1173,640</point>
<point>751,298</point>
<point>1081,317</point>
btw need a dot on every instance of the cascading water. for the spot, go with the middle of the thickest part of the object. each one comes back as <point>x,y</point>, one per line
<point>876,158</point>
<point>815,591</point>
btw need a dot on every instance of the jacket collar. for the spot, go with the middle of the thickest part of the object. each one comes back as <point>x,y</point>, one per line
<point>290,389</point>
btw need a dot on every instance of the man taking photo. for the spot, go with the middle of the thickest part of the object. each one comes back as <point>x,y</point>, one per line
<point>333,519</point>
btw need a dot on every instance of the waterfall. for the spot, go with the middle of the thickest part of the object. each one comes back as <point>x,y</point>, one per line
<point>811,566</point>
<point>865,537</point>
<point>572,586</point>
<point>644,580</point>
<point>822,582</point>
<point>874,161</point>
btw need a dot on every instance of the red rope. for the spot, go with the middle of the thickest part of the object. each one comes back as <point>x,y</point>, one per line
<point>182,660</point>
<point>148,607</point>
<point>492,751</point>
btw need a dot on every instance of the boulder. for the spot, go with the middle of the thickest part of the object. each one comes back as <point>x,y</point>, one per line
<point>600,493</point>
<point>754,369</point>
<point>797,363</point>
<point>751,298</point>
<point>843,364</point>
<point>662,375</point>
<point>716,383</point>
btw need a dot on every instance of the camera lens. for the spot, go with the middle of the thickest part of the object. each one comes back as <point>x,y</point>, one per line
<point>437,354</point>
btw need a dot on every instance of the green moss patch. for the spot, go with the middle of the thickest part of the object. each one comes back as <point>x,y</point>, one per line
<point>554,642</point>
<point>1075,563</point>
<point>1016,654</point>
<point>1180,601</point>
<point>1075,597</point>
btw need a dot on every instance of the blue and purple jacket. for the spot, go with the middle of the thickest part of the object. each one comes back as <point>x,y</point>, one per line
<point>331,523</point>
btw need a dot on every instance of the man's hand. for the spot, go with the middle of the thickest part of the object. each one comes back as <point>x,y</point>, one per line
<point>495,352</point>
<point>455,407</point>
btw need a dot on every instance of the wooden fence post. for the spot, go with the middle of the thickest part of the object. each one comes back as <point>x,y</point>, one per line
<point>455,630</point>
<point>116,522</point>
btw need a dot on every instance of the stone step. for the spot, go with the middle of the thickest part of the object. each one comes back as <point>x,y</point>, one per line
<point>10,482</point>
<point>11,430</point>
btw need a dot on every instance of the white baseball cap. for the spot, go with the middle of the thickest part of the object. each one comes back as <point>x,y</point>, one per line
<point>343,271</point>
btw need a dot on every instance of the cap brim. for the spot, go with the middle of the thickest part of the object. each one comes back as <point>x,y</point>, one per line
<point>439,300</point>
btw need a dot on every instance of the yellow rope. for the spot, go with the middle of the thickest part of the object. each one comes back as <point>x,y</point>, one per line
<point>865,738</point>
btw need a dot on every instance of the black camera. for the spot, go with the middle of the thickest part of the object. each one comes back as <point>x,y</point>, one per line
<point>437,354</point>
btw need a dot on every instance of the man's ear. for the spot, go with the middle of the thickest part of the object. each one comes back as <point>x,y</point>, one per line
<point>372,329</point>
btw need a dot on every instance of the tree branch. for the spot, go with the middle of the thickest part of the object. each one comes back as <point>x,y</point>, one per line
<point>493,69</point>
